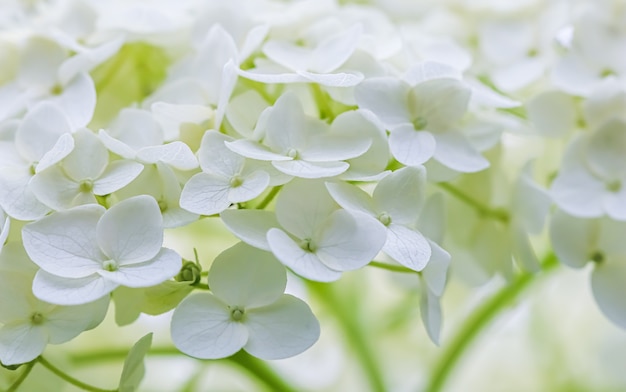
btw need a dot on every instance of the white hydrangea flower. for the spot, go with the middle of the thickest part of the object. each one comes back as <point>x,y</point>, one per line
<point>246,309</point>
<point>42,139</point>
<point>423,119</point>
<point>82,175</point>
<point>301,146</point>
<point>578,241</point>
<point>86,252</point>
<point>5,226</point>
<point>396,202</point>
<point>320,241</point>
<point>226,178</point>
<point>29,324</point>
<point>593,174</point>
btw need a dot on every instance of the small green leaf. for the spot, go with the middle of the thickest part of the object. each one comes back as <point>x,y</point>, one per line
<point>164,297</point>
<point>134,368</point>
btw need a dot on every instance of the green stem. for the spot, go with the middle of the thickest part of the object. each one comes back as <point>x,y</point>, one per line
<point>477,322</point>
<point>261,371</point>
<point>484,210</point>
<point>66,377</point>
<point>27,368</point>
<point>255,367</point>
<point>353,333</point>
<point>268,199</point>
<point>391,267</point>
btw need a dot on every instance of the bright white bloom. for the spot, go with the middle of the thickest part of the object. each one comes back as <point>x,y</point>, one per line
<point>29,324</point>
<point>135,134</point>
<point>5,226</point>
<point>593,174</point>
<point>579,241</point>
<point>246,309</point>
<point>293,62</point>
<point>42,139</point>
<point>396,202</point>
<point>423,120</point>
<point>85,173</point>
<point>301,146</point>
<point>226,178</point>
<point>319,241</point>
<point>86,252</point>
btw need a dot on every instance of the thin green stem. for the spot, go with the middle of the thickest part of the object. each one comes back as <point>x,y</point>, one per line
<point>255,367</point>
<point>66,377</point>
<point>353,333</point>
<point>27,368</point>
<point>498,214</point>
<point>391,267</point>
<point>268,199</point>
<point>478,321</point>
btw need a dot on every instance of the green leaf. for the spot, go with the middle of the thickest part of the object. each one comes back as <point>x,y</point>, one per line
<point>164,297</point>
<point>134,368</point>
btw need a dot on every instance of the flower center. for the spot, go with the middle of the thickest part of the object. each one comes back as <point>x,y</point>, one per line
<point>384,218</point>
<point>162,205</point>
<point>56,90</point>
<point>614,186</point>
<point>110,265</point>
<point>86,185</point>
<point>236,181</point>
<point>597,257</point>
<point>293,153</point>
<point>237,313</point>
<point>37,318</point>
<point>308,245</point>
<point>420,123</point>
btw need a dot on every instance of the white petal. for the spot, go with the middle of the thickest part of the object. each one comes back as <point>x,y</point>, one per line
<point>349,241</point>
<point>411,147</point>
<point>254,150</point>
<point>165,265</point>
<point>327,148</point>
<point>173,116</point>
<point>88,159</point>
<point>441,102</point>
<point>64,323</point>
<point>206,194</point>
<point>571,239</point>
<point>351,197</point>
<point>456,152</point>
<point>62,148</point>
<point>304,169</point>
<point>250,226</point>
<point>332,52</point>
<point>252,186</point>
<point>341,79</point>
<point>65,243</point>
<point>54,189</point>
<point>386,98</point>
<point>608,286</point>
<point>553,113</point>
<point>117,175</point>
<point>202,327</point>
<point>430,311</point>
<point>264,76</point>
<point>21,343</point>
<point>16,198</point>
<point>116,146</point>
<point>305,264</point>
<point>247,277</point>
<point>407,247</point>
<point>436,271</point>
<point>282,329</point>
<point>40,130</point>
<point>287,124</point>
<point>137,128</point>
<point>132,230</point>
<point>215,157</point>
<point>78,100</point>
<point>302,206</point>
<point>578,193</point>
<point>401,194</point>
<point>176,154</point>
<point>288,55</point>
<point>606,151</point>
<point>67,291</point>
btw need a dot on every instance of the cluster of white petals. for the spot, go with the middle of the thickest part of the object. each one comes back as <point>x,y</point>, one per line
<point>325,136</point>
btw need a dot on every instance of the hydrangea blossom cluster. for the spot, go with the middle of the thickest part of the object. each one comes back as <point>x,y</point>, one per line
<point>326,137</point>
